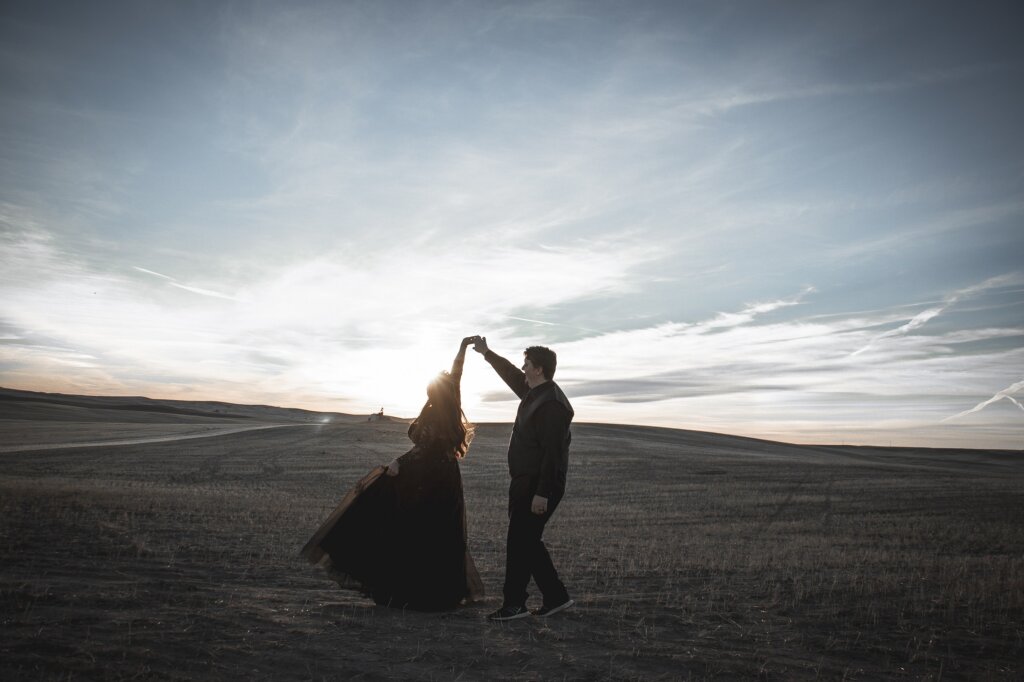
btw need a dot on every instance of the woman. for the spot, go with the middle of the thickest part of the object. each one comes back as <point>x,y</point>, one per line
<point>401,537</point>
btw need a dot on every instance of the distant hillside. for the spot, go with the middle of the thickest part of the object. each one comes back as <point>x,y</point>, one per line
<point>32,405</point>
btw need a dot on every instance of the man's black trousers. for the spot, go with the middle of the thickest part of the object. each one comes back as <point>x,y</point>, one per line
<point>525,554</point>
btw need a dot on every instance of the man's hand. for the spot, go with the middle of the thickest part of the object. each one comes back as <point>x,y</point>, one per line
<point>540,505</point>
<point>392,468</point>
<point>480,344</point>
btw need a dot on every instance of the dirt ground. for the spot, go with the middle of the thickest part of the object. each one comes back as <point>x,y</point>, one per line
<point>690,555</point>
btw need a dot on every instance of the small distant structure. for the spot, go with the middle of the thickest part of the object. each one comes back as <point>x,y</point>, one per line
<point>377,416</point>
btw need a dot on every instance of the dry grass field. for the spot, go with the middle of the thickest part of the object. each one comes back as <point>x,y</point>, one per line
<point>691,555</point>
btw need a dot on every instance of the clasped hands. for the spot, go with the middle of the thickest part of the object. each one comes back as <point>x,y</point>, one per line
<point>479,343</point>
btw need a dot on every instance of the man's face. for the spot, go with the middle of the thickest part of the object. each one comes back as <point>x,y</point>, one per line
<point>534,375</point>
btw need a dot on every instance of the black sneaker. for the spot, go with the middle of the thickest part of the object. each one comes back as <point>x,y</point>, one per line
<point>509,613</point>
<point>546,610</point>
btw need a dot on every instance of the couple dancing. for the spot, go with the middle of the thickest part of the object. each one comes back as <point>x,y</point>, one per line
<point>400,535</point>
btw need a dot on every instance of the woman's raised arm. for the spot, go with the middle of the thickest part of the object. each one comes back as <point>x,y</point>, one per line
<point>460,360</point>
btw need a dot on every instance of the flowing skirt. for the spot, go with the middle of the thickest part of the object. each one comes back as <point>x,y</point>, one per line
<point>401,540</point>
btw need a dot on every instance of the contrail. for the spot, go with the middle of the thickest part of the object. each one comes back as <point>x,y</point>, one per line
<point>151,272</point>
<point>175,283</point>
<point>1006,393</point>
<point>552,324</point>
<point>202,292</point>
<point>524,319</point>
<point>925,316</point>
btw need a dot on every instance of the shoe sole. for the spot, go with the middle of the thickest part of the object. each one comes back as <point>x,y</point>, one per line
<point>502,619</point>
<point>555,610</point>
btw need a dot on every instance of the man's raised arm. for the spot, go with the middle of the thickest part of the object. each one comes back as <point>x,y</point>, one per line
<point>509,373</point>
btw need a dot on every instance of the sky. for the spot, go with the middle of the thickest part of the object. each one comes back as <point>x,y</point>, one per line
<point>799,221</point>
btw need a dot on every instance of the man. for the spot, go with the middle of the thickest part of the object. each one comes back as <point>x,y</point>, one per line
<point>538,459</point>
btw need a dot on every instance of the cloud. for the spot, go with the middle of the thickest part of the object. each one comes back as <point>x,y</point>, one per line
<point>370,323</point>
<point>923,317</point>
<point>339,192</point>
<point>726,320</point>
<point>915,322</point>
<point>963,220</point>
<point>723,102</point>
<point>784,375</point>
<point>1005,394</point>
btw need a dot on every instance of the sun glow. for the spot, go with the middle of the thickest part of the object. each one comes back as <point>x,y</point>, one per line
<point>396,380</point>
<point>390,378</point>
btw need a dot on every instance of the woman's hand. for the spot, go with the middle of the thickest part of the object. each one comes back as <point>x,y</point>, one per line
<point>392,468</point>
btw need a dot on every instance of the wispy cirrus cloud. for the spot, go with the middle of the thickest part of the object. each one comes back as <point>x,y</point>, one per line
<point>723,102</point>
<point>777,373</point>
<point>725,320</point>
<point>344,324</point>
<point>1005,394</point>
<point>923,317</point>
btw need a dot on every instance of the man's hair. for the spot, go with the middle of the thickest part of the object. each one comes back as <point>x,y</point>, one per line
<point>542,357</point>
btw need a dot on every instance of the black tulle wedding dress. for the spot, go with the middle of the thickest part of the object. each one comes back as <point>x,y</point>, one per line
<point>402,539</point>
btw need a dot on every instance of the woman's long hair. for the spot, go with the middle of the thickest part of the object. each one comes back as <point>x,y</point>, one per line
<point>441,422</point>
